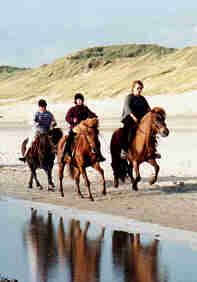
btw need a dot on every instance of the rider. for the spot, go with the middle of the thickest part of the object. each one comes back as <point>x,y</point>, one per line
<point>74,116</point>
<point>135,107</point>
<point>43,121</point>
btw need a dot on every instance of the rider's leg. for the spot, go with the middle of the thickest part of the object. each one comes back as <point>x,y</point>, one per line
<point>128,135</point>
<point>99,155</point>
<point>67,147</point>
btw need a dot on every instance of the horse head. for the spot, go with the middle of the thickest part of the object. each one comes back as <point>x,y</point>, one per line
<point>158,121</point>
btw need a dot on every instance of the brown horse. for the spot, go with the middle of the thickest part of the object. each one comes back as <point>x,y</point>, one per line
<point>138,260</point>
<point>85,144</point>
<point>81,254</point>
<point>43,156</point>
<point>142,148</point>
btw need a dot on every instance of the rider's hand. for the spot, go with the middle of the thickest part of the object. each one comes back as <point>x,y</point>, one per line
<point>75,120</point>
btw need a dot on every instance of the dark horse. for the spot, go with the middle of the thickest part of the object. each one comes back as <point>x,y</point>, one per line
<point>43,155</point>
<point>142,148</point>
<point>84,146</point>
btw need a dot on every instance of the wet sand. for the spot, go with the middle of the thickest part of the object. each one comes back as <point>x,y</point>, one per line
<point>171,202</point>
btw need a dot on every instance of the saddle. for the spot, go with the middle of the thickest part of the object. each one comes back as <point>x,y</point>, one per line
<point>33,150</point>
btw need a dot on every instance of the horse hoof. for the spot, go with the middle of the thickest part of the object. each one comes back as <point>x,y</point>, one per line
<point>152,181</point>
<point>135,188</point>
<point>116,183</point>
<point>51,189</point>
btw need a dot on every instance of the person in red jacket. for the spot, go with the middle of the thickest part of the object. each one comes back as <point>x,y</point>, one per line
<point>74,116</point>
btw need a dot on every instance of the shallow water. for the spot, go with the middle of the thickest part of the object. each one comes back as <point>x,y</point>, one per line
<point>37,245</point>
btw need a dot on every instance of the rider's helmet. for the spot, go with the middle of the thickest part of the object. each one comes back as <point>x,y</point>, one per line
<point>78,96</point>
<point>42,103</point>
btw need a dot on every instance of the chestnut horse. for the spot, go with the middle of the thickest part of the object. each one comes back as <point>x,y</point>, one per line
<point>142,148</point>
<point>85,144</point>
<point>43,156</point>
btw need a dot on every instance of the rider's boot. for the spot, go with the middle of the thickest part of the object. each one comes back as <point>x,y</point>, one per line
<point>67,154</point>
<point>157,155</point>
<point>27,154</point>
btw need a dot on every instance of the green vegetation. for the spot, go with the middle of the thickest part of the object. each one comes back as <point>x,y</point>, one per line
<point>121,51</point>
<point>103,72</point>
<point>10,69</point>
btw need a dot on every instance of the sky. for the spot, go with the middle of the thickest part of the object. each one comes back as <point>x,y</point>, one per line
<point>37,32</point>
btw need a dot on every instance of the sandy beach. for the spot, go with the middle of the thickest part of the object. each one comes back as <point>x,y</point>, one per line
<point>171,202</point>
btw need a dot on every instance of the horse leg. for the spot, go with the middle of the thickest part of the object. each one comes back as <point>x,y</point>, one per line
<point>138,177</point>
<point>77,180</point>
<point>115,168</point>
<point>34,176</point>
<point>130,171</point>
<point>87,182</point>
<point>51,185</point>
<point>153,162</point>
<point>30,184</point>
<point>101,171</point>
<point>61,175</point>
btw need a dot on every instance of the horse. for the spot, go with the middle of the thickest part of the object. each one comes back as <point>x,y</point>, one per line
<point>42,156</point>
<point>74,242</point>
<point>137,260</point>
<point>141,149</point>
<point>84,148</point>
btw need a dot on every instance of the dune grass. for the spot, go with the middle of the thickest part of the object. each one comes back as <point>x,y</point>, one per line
<point>105,71</point>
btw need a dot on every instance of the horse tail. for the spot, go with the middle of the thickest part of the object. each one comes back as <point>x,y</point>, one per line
<point>115,144</point>
<point>115,149</point>
<point>23,146</point>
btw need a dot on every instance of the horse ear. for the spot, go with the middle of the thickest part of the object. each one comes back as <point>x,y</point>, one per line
<point>159,111</point>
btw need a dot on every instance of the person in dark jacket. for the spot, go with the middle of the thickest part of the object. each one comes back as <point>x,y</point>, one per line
<point>135,107</point>
<point>74,116</point>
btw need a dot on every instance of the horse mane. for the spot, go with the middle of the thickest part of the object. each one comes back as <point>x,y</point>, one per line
<point>153,143</point>
<point>55,134</point>
<point>154,138</point>
<point>160,111</point>
<point>85,124</point>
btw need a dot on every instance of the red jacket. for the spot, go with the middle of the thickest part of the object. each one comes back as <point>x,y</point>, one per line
<point>79,112</point>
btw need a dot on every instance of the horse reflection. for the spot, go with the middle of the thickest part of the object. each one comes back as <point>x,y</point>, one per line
<point>79,252</point>
<point>41,247</point>
<point>139,263</point>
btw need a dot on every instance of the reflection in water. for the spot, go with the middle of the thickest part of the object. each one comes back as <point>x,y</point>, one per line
<point>72,250</point>
<point>138,263</point>
<point>41,246</point>
<point>82,254</point>
<point>53,249</point>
